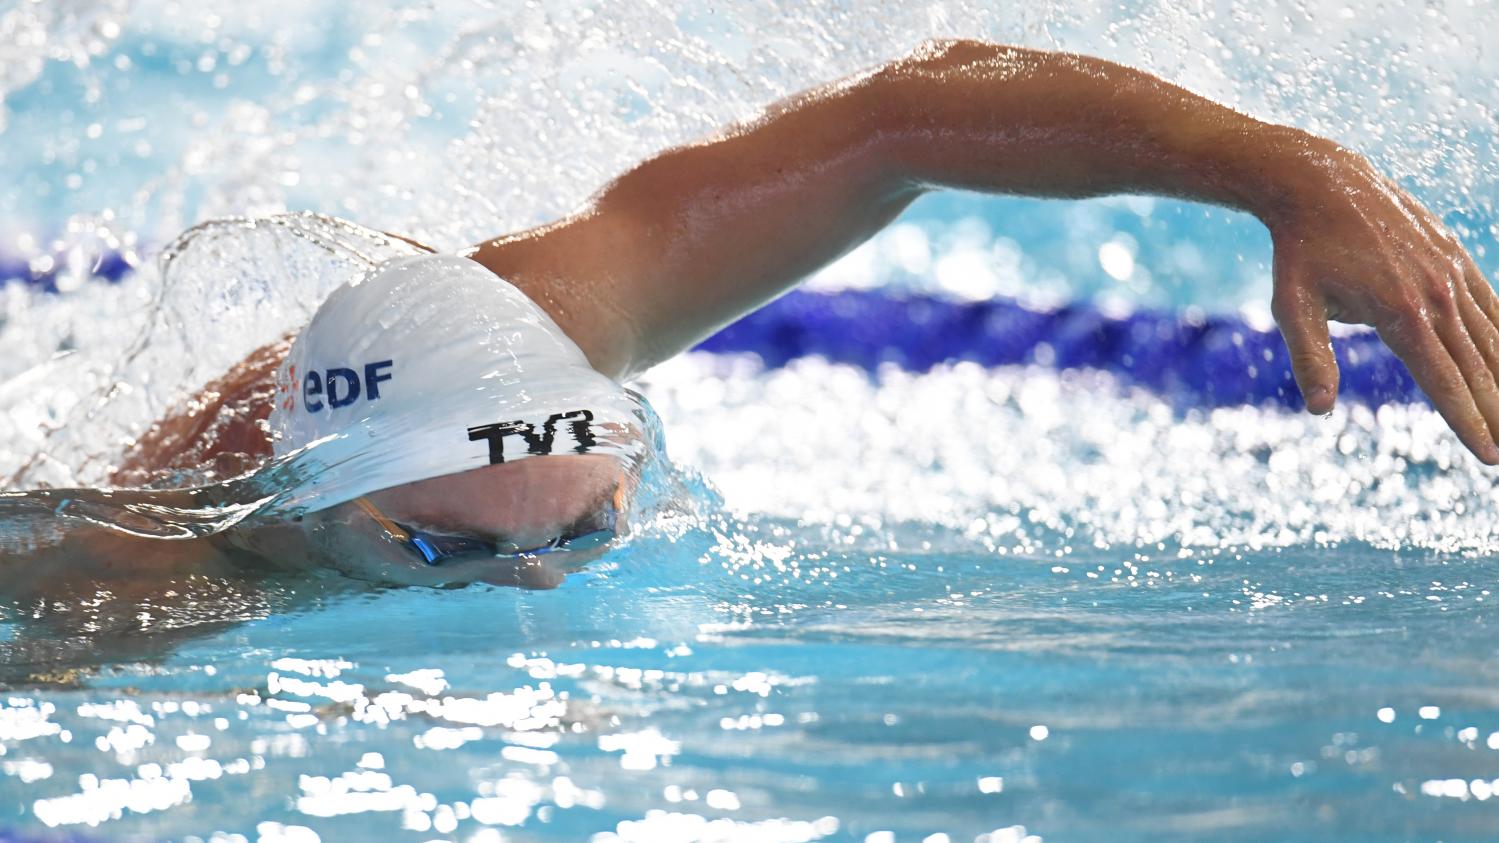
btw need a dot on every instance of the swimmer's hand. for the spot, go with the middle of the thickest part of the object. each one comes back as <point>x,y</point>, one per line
<point>695,237</point>
<point>1352,246</point>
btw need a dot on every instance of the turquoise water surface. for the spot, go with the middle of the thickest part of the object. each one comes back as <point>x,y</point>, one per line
<point>1007,604</point>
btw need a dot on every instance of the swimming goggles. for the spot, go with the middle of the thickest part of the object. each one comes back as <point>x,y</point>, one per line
<point>589,533</point>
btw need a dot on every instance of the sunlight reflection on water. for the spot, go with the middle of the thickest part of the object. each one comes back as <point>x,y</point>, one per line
<point>965,605</point>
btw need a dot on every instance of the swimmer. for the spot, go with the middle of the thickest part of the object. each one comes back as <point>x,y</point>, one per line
<point>534,330</point>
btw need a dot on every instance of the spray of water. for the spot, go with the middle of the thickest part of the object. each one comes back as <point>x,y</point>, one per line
<point>127,123</point>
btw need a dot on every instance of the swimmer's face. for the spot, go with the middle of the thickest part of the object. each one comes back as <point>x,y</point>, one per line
<point>520,505</point>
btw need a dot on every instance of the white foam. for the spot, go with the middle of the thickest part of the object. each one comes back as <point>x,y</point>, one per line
<point>1003,456</point>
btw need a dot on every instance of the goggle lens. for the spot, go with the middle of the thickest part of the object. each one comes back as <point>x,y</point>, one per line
<point>436,548</point>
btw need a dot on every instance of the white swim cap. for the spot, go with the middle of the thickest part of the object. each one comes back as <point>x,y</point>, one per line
<point>432,365</point>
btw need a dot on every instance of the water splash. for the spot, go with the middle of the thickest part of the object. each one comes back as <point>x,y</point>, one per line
<point>1018,460</point>
<point>814,635</point>
<point>458,122</point>
<point>223,288</point>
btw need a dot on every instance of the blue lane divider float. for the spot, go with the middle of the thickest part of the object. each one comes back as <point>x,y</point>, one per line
<point>1217,361</point>
<point>111,266</point>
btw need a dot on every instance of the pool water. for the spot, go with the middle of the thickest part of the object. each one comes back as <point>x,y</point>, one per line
<point>869,602</point>
<point>1067,651</point>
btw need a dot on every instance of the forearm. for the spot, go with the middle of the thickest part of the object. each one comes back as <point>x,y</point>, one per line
<point>51,538</point>
<point>699,235</point>
<point>1009,120</point>
<point>695,237</point>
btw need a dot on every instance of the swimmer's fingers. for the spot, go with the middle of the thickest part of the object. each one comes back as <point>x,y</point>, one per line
<point>1351,245</point>
<point>1454,305</point>
<point>1484,334</point>
<point>1463,309</point>
<point>1447,367</point>
<point>1487,304</point>
<point>1469,338</point>
<point>1301,313</point>
<point>1482,291</point>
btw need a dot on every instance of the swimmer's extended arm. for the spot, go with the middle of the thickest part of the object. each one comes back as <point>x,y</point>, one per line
<point>55,540</point>
<point>691,239</point>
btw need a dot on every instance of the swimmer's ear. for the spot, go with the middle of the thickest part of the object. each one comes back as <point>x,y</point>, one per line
<point>1301,313</point>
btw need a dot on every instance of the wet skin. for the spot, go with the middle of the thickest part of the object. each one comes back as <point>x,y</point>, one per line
<point>697,236</point>
<point>521,505</point>
<point>84,595</point>
<point>54,540</point>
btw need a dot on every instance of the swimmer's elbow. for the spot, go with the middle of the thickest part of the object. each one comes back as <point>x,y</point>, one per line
<point>939,56</point>
<point>629,352</point>
<point>950,50</point>
<point>941,81</point>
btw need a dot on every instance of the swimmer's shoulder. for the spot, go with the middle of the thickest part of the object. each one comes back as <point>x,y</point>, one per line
<point>222,427</point>
<point>576,270</point>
